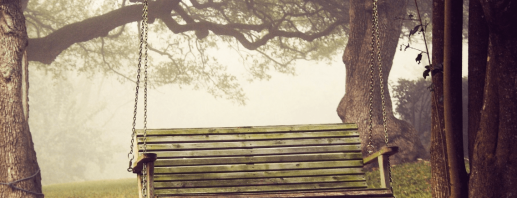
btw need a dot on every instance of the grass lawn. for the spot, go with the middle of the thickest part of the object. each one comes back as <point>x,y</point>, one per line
<point>409,180</point>
<point>105,188</point>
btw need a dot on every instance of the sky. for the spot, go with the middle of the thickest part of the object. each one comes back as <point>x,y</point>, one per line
<point>309,97</point>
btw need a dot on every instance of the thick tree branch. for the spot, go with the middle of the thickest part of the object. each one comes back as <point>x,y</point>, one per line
<point>226,30</point>
<point>46,49</point>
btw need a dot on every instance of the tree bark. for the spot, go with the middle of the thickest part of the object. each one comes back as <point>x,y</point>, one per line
<point>17,155</point>
<point>478,49</point>
<point>439,170</point>
<point>354,105</point>
<point>494,163</point>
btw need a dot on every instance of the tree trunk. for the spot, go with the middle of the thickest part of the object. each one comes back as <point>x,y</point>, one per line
<point>453,97</point>
<point>478,47</point>
<point>17,155</point>
<point>494,163</point>
<point>439,169</point>
<point>354,106</point>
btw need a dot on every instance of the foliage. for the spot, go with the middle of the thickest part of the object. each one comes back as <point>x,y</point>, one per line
<point>265,35</point>
<point>413,104</point>
<point>183,45</point>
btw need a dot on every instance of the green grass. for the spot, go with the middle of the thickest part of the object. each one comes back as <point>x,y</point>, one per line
<point>409,180</point>
<point>120,188</point>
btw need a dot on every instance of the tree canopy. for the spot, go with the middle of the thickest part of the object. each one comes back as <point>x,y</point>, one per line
<point>102,37</point>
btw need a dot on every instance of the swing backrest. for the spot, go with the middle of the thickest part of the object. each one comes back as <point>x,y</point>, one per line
<point>255,159</point>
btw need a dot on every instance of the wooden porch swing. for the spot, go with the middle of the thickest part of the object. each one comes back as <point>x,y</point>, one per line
<point>321,160</point>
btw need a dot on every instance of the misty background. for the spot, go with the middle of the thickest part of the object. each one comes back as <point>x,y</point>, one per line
<point>81,121</point>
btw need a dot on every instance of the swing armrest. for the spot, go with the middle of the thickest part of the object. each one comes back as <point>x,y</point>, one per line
<point>386,151</point>
<point>145,158</point>
<point>382,157</point>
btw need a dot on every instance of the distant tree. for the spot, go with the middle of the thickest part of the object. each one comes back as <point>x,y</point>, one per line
<point>72,139</point>
<point>413,104</point>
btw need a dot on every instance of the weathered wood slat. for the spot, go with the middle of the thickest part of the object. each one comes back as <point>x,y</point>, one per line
<point>259,151</point>
<point>258,167</point>
<point>251,144</point>
<point>257,174</point>
<point>259,129</point>
<point>359,193</point>
<point>247,137</point>
<point>260,159</point>
<point>261,181</point>
<point>268,188</point>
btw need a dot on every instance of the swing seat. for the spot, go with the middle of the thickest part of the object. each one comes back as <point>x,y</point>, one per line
<point>323,160</point>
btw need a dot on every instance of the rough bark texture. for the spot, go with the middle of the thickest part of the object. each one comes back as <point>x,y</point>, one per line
<point>17,155</point>
<point>478,47</point>
<point>494,164</point>
<point>354,106</point>
<point>439,170</point>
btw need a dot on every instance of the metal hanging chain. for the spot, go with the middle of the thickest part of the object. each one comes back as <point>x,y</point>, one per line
<point>384,116</point>
<point>133,131</point>
<point>145,29</point>
<point>370,146</point>
<point>143,47</point>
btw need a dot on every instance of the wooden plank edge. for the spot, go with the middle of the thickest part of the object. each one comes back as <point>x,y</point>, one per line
<point>258,159</point>
<point>201,138</point>
<point>144,158</point>
<point>388,151</point>
<point>356,193</point>
<point>255,129</point>
<point>259,181</point>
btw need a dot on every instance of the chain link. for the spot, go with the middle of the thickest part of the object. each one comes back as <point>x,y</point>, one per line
<point>384,116</point>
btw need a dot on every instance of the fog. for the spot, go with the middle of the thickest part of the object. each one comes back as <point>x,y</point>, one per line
<point>101,108</point>
<point>81,121</point>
